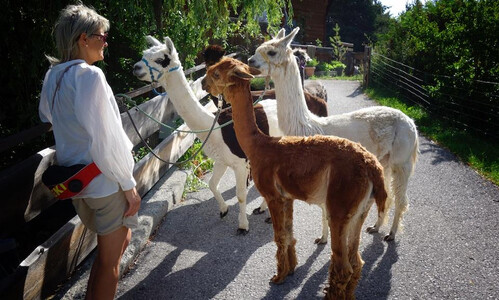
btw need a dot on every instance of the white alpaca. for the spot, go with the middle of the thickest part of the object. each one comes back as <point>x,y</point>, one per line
<point>386,132</point>
<point>164,65</point>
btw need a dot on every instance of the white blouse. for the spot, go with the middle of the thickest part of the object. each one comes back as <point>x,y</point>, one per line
<point>87,126</point>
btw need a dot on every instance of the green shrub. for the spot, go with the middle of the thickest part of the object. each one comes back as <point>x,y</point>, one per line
<point>324,66</point>
<point>198,166</point>
<point>258,84</point>
<point>313,62</point>
<point>337,64</point>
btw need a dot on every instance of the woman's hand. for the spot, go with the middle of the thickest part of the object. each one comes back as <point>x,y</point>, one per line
<point>133,199</point>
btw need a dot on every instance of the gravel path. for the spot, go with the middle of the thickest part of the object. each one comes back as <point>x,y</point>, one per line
<point>447,250</point>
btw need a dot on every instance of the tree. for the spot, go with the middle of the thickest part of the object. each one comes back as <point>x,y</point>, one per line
<point>359,20</point>
<point>338,49</point>
<point>454,45</point>
<point>191,25</point>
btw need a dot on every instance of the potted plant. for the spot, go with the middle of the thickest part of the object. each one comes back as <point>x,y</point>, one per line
<point>310,67</point>
<point>323,69</point>
<point>338,67</point>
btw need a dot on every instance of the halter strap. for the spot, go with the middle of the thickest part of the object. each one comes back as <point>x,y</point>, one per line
<point>160,73</point>
<point>151,69</point>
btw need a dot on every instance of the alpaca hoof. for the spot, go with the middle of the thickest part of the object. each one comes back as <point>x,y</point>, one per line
<point>320,241</point>
<point>372,229</point>
<point>276,279</point>
<point>223,214</point>
<point>258,211</point>
<point>241,231</point>
<point>268,220</point>
<point>389,237</point>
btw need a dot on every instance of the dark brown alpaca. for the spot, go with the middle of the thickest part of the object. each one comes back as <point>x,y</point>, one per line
<point>321,170</point>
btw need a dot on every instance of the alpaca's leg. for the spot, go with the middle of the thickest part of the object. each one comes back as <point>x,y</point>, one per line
<point>219,169</point>
<point>288,225</point>
<point>353,249</point>
<point>340,270</point>
<point>325,226</point>
<point>279,212</point>
<point>241,174</point>
<point>382,215</point>
<point>357,263</point>
<point>261,209</point>
<point>401,174</point>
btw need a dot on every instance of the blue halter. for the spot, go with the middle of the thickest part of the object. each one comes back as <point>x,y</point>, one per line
<point>151,69</point>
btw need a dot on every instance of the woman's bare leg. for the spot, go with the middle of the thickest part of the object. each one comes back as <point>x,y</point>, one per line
<point>104,276</point>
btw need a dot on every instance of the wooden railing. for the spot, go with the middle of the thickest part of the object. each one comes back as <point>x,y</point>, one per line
<point>25,198</point>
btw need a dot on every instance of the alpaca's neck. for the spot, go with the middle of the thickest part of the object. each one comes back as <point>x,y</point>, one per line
<point>185,102</point>
<point>292,111</point>
<point>247,132</point>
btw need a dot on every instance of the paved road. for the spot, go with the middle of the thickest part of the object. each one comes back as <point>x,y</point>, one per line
<point>447,250</point>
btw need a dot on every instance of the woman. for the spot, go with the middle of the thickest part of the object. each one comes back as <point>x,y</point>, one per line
<point>87,127</point>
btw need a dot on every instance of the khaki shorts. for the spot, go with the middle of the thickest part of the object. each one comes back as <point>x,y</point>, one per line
<point>105,215</point>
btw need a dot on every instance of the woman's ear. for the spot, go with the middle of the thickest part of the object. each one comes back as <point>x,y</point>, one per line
<point>83,40</point>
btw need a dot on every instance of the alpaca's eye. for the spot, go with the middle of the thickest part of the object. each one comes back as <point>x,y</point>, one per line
<point>159,61</point>
<point>216,75</point>
<point>271,53</point>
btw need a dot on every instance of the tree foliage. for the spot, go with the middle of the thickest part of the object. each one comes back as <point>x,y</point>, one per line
<point>339,50</point>
<point>359,21</point>
<point>447,37</point>
<point>190,24</point>
<point>454,46</point>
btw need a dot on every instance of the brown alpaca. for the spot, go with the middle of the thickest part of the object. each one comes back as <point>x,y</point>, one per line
<point>318,170</point>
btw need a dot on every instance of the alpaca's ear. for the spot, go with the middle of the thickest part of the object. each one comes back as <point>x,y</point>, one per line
<point>280,34</point>
<point>242,73</point>
<point>254,71</point>
<point>152,41</point>
<point>169,45</point>
<point>286,41</point>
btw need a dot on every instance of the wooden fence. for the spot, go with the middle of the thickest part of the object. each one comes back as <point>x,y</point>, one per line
<point>25,200</point>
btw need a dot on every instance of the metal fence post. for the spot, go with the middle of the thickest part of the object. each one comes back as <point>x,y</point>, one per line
<point>367,66</point>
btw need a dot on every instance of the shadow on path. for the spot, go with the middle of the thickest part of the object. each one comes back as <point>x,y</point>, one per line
<point>375,282</point>
<point>193,263</point>
<point>311,286</point>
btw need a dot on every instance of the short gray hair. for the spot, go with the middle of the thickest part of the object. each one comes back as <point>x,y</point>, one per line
<point>73,21</point>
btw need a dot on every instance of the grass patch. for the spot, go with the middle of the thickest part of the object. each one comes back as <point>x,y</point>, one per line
<point>198,166</point>
<point>479,153</point>
<point>357,77</point>
<point>258,84</point>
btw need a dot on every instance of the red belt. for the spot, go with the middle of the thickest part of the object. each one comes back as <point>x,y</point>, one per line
<point>76,183</point>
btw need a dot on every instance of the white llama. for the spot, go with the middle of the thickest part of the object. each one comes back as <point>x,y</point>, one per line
<point>386,132</point>
<point>161,62</point>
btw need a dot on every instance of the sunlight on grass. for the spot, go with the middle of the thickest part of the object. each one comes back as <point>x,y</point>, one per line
<point>198,167</point>
<point>357,77</point>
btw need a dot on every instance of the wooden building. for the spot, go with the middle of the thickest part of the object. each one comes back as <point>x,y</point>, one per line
<point>310,16</point>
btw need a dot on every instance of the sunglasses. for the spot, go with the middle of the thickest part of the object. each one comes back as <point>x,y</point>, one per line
<point>102,37</point>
